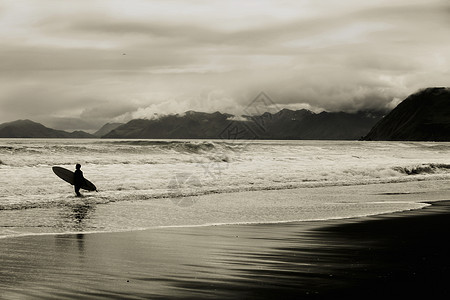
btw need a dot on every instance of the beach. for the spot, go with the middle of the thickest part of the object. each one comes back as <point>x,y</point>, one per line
<point>395,254</point>
<point>224,150</point>
<point>219,220</point>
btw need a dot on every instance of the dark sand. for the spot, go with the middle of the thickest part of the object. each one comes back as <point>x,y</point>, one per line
<point>392,255</point>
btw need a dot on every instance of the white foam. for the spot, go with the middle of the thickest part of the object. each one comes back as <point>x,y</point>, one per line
<point>182,172</point>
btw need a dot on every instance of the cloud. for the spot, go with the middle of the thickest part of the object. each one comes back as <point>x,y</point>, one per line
<point>207,101</point>
<point>107,110</point>
<point>36,98</point>
<point>99,60</point>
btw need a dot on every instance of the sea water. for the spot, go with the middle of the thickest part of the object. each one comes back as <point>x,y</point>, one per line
<point>146,184</point>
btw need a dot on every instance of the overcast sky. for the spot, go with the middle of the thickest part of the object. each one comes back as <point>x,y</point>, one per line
<point>81,63</point>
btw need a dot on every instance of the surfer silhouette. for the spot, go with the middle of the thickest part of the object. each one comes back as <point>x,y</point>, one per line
<point>78,179</point>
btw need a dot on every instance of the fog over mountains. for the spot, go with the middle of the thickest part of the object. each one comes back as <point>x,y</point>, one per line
<point>423,116</point>
<point>285,124</point>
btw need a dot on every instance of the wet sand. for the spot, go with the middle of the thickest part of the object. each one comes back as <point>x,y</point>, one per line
<point>399,254</point>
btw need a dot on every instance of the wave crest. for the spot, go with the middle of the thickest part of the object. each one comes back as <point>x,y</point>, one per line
<point>181,146</point>
<point>423,169</point>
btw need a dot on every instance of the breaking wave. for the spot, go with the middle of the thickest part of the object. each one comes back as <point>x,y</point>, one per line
<point>127,170</point>
<point>423,169</point>
<point>117,152</point>
<point>183,189</point>
<point>180,146</point>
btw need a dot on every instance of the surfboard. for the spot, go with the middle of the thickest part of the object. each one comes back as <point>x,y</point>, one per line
<point>68,176</point>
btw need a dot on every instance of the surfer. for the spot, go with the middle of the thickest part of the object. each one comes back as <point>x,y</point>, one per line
<point>78,179</point>
<point>74,178</point>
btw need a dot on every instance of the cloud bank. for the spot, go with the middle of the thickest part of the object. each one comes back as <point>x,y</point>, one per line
<point>98,61</point>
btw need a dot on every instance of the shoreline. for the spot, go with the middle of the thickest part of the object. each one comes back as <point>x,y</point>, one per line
<point>401,253</point>
<point>37,234</point>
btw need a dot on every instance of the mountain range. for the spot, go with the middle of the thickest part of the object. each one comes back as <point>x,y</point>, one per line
<point>285,124</point>
<point>423,116</point>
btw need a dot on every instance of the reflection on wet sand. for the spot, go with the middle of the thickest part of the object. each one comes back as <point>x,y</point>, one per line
<point>397,254</point>
<point>75,217</point>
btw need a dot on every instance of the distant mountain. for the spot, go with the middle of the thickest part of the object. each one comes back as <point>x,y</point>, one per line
<point>285,124</point>
<point>423,116</point>
<point>106,129</point>
<point>30,129</point>
<point>193,125</point>
<point>79,134</point>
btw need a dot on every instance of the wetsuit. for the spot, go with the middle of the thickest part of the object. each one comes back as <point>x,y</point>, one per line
<point>78,181</point>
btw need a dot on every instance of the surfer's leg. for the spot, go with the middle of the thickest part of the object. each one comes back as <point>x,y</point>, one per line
<point>77,191</point>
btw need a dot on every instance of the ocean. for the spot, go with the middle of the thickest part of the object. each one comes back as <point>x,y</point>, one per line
<point>145,184</point>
